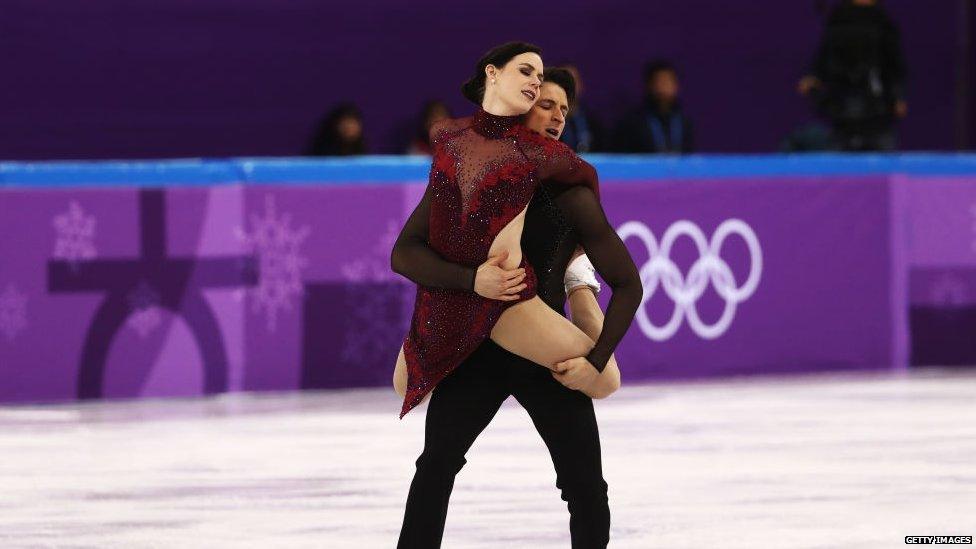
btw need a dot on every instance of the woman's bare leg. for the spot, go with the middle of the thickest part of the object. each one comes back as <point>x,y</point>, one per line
<point>534,331</point>
<point>400,375</point>
<point>604,385</point>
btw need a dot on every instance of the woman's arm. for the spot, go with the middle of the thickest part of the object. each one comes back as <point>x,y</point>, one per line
<point>413,258</point>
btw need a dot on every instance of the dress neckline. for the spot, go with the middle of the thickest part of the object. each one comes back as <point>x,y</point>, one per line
<point>493,126</point>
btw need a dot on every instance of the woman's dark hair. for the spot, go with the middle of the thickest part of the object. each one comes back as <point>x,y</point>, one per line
<point>564,79</point>
<point>474,88</point>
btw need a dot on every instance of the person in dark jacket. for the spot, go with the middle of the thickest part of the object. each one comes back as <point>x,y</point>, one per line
<point>340,133</point>
<point>857,79</point>
<point>583,132</point>
<point>658,125</point>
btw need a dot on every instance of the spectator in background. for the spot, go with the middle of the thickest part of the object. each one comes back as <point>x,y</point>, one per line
<point>433,112</point>
<point>582,132</point>
<point>858,76</point>
<point>340,133</point>
<point>659,125</point>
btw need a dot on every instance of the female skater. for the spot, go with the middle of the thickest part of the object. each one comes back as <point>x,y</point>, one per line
<point>554,243</point>
<point>485,169</point>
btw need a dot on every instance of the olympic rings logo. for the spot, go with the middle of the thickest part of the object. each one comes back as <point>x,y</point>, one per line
<point>710,268</point>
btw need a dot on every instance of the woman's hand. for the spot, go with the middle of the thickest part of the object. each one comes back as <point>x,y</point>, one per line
<point>493,282</point>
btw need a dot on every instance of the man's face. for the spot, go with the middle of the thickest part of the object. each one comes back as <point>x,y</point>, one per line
<point>548,115</point>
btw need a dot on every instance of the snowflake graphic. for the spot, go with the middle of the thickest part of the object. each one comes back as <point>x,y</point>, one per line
<point>75,239</point>
<point>277,246</point>
<point>374,298</point>
<point>144,313</point>
<point>376,266</point>
<point>375,326</point>
<point>13,312</point>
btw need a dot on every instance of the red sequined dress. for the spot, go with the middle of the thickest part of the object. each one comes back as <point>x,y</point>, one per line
<point>485,170</point>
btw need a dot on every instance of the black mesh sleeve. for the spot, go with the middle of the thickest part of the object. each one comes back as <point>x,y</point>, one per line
<point>559,165</point>
<point>613,262</point>
<point>413,257</point>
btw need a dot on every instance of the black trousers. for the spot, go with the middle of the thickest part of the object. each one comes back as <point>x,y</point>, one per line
<point>460,408</point>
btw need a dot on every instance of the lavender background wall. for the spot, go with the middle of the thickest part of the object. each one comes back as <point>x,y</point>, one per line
<point>164,78</point>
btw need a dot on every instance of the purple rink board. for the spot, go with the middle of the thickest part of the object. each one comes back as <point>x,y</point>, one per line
<point>178,291</point>
<point>760,276</point>
<point>940,249</point>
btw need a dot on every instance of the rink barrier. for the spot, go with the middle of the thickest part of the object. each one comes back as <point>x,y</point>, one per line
<point>187,277</point>
<point>397,169</point>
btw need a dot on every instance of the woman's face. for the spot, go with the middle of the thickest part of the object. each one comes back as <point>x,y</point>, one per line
<point>514,88</point>
<point>548,115</point>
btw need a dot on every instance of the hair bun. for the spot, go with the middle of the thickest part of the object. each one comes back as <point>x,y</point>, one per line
<point>474,89</point>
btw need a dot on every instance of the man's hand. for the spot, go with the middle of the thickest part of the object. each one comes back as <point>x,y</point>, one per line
<point>575,373</point>
<point>494,282</point>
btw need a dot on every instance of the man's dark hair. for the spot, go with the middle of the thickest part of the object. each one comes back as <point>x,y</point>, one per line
<point>564,79</point>
<point>474,88</point>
